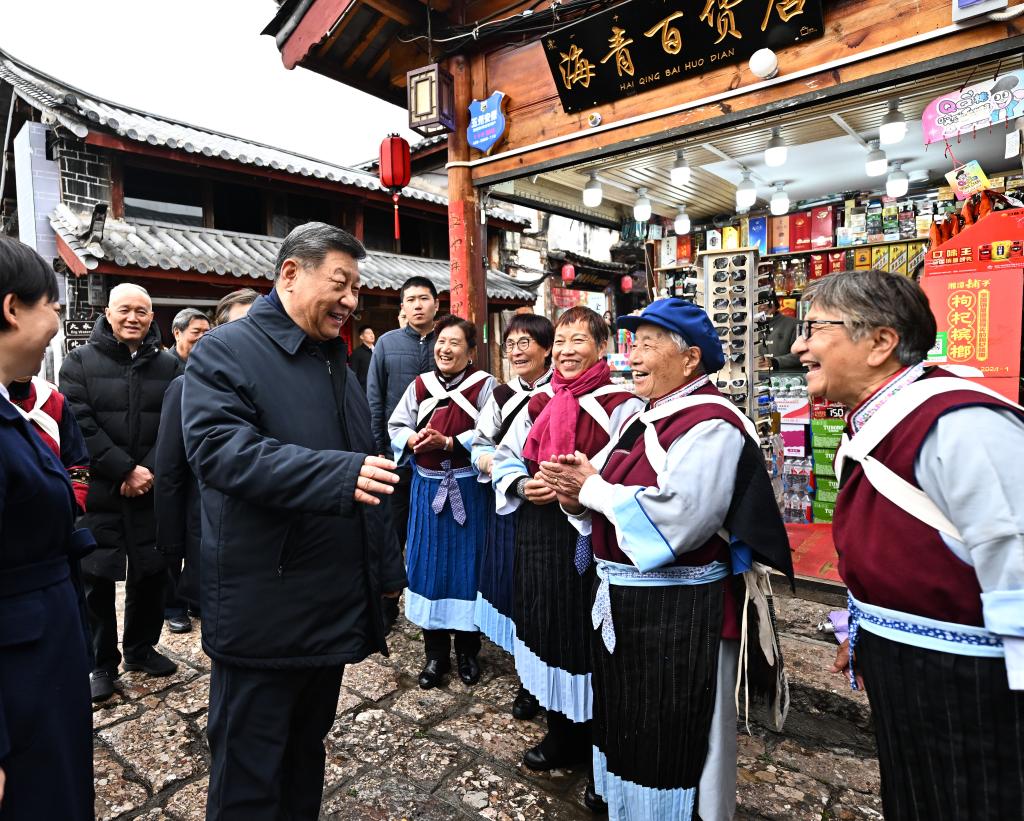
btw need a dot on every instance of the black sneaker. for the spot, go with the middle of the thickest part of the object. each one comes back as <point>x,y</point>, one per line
<point>154,664</point>
<point>179,624</point>
<point>101,683</point>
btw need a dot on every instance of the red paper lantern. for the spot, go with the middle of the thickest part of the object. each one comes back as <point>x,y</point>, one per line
<point>395,169</point>
<point>568,273</point>
<point>626,284</point>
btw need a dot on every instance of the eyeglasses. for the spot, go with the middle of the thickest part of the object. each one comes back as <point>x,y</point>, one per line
<point>736,302</point>
<point>725,289</point>
<point>806,327</point>
<point>737,316</point>
<point>723,262</point>
<point>736,275</point>
<point>732,383</point>
<point>738,358</point>
<point>521,344</point>
<point>735,344</point>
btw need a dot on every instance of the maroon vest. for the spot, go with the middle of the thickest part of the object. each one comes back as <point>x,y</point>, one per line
<point>631,467</point>
<point>888,557</point>
<point>590,436</point>
<point>450,419</point>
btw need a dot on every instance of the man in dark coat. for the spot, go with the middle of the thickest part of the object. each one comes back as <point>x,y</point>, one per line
<point>360,362</point>
<point>296,547</point>
<point>115,386</point>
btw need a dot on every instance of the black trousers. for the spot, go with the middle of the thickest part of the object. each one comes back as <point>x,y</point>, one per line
<point>174,605</point>
<point>143,617</point>
<point>266,732</point>
<point>400,503</point>
<point>438,643</point>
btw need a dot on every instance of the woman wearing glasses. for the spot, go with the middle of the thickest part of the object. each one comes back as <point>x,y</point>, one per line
<point>667,602</point>
<point>433,428</point>
<point>554,573</point>
<point>527,343</point>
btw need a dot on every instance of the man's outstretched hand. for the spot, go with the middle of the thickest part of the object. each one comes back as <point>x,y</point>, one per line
<point>375,479</point>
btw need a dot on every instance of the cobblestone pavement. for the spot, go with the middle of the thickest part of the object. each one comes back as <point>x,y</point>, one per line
<point>396,751</point>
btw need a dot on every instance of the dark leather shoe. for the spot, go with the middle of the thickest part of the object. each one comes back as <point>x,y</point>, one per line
<point>525,706</point>
<point>101,684</point>
<point>433,673</point>
<point>153,664</point>
<point>592,801</point>
<point>469,670</point>
<point>541,760</point>
<point>179,624</point>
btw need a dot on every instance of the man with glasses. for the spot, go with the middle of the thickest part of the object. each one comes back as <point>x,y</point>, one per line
<point>115,386</point>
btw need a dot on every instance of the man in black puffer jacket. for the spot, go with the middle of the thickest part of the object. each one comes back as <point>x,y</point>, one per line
<point>115,386</point>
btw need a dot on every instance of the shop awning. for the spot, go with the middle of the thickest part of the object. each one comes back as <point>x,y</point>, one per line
<point>591,274</point>
<point>158,246</point>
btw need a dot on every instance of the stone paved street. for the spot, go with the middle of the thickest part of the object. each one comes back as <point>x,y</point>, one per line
<point>396,751</point>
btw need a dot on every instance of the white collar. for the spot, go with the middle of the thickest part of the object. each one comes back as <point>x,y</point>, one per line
<point>4,392</point>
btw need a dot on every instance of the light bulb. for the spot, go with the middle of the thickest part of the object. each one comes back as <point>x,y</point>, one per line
<point>894,126</point>
<point>764,64</point>
<point>682,223</point>
<point>642,206</point>
<point>592,192</point>
<point>876,162</point>
<point>680,173</point>
<point>746,193</point>
<point>898,182</point>
<point>776,150</point>
<point>780,201</point>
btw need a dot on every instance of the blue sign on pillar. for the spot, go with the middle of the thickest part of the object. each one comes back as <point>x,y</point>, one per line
<point>487,122</point>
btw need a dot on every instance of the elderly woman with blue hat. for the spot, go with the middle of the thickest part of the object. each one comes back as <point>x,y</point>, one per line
<point>683,520</point>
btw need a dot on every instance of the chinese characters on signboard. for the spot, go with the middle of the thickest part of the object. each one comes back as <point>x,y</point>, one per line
<point>992,101</point>
<point>488,122</point>
<point>637,46</point>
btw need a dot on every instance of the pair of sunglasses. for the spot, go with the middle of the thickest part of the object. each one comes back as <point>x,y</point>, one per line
<point>730,289</point>
<point>736,302</point>
<point>737,316</point>
<point>723,262</point>
<point>737,275</point>
<point>735,344</point>
<point>738,358</point>
<point>732,383</point>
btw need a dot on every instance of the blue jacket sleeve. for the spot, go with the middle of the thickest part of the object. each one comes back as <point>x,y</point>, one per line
<point>376,395</point>
<point>5,741</point>
<point>227,450</point>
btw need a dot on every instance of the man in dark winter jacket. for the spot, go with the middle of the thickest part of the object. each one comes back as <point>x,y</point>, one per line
<point>296,552</point>
<point>115,386</point>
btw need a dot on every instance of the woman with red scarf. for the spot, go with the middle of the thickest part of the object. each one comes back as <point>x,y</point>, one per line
<point>553,565</point>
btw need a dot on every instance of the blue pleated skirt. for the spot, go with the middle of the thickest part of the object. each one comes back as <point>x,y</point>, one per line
<point>494,599</point>
<point>442,556</point>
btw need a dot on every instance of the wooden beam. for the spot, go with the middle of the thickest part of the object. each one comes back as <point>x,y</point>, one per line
<point>75,265</point>
<point>401,11</point>
<point>365,41</point>
<point>378,64</point>
<point>116,187</point>
<point>312,28</point>
<point>339,28</point>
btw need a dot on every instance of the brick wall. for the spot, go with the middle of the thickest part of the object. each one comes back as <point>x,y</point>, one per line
<point>84,175</point>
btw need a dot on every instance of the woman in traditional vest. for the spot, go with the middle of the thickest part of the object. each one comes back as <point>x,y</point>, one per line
<point>433,427</point>
<point>553,565</point>
<point>929,525</point>
<point>682,501</point>
<point>527,344</point>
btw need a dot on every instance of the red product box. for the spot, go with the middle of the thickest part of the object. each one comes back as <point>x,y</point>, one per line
<point>800,231</point>
<point>837,261</point>
<point>818,267</point>
<point>822,226</point>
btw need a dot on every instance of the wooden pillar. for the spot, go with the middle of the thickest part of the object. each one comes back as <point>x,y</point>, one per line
<point>468,286</point>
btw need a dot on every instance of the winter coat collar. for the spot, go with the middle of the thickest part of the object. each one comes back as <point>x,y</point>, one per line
<point>103,338</point>
<point>269,314</point>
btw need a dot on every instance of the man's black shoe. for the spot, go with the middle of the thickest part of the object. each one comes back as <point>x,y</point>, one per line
<point>433,672</point>
<point>179,624</point>
<point>592,801</point>
<point>101,684</point>
<point>525,706</point>
<point>469,670</point>
<point>154,664</point>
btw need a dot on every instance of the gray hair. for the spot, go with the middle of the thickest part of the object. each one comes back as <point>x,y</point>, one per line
<point>866,300</point>
<point>311,242</point>
<point>184,318</point>
<point>123,288</point>
<point>678,341</point>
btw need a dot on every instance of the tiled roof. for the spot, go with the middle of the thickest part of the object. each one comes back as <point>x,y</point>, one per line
<point>169,246</point>
<point>81,113</point>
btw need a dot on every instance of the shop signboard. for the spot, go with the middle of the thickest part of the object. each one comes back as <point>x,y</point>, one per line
<point>638,46</point>
<point>980,105</point>
<point>975,284</point>
<point>488,124</point>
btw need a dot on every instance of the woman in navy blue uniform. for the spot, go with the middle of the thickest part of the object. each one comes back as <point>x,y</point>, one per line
<point>45,713</point>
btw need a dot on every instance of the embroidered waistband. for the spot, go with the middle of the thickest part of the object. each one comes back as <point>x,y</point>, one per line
<point>624,575</point>
<point>919,631</point>
<point>458,473</point>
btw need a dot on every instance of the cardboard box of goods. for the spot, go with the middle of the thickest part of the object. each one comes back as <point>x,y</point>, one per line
<point>915,255</point>
<point>880,257</point>
<point>794,440</point>
<point>818,267</point>
<point>908,221</point>
<point>836,261</point>
<point>667,257</point>
<point>780,235</point>
<point>844,236</point>
<point>823,463</point>
<point>823,409</point>
<point>862,259</point>
<point>823,226</point>
<point>823,512</point>
<point>744,232</point>
<point>714,239</point>
<point>730,238</point>
<point>826,441</point>
<point>823,426</point>
<point>826,491</point>
<point>858,225</point>
<point>890,222</point>
<point>800,231</point>
<point>683,252</point>
<point>898,259</point>
<point>873,223</point>
<point>759,234</point>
